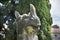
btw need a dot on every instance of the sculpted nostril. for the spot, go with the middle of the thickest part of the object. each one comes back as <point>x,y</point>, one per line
<point>38,27</point>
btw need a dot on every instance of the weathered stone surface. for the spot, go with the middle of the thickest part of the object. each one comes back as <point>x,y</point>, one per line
<point>25,20</point>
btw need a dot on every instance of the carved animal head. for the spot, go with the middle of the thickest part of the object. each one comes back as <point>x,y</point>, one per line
<point>28,19</point>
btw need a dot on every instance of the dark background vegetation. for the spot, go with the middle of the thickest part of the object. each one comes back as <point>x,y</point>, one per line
<point>43,11</point>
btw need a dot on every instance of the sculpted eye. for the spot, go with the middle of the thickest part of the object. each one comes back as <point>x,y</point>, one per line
<point>32,18</point>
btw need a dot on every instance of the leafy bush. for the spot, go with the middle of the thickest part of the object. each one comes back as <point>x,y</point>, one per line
<point>43,11</point>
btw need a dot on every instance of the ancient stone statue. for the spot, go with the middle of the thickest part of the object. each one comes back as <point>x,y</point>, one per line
<point>23,21</point>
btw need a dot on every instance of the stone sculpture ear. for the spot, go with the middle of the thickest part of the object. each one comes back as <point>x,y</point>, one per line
<point>17,15</point>
<point>32,10</point>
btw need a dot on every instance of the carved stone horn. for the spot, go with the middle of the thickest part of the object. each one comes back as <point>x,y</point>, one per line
<point>33,13</point>
<point>17,15</point>
<point>32,10</point>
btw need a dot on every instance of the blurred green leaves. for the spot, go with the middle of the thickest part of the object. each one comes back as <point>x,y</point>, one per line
<point>43,11</point>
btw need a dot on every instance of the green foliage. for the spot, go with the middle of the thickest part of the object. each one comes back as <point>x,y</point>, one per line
<point>3,1</point>
<point>43,11</point>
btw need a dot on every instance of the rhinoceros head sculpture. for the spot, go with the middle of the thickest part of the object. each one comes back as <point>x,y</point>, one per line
<point>28,19</point>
